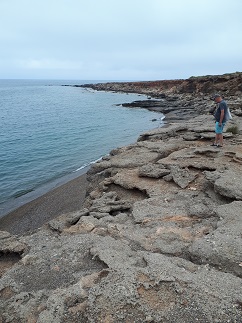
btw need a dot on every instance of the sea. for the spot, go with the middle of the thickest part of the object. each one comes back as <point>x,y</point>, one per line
<point>50,133</point>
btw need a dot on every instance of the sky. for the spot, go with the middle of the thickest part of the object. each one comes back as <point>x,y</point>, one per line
<point>120,40</point>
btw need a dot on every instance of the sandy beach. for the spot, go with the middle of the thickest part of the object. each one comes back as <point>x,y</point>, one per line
<point>63,199</point>
<point>159,239</point>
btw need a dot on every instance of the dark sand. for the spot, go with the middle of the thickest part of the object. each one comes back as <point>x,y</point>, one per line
<point>66,198</point>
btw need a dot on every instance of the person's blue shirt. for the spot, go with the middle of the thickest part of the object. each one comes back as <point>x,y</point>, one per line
<point>221,106</point>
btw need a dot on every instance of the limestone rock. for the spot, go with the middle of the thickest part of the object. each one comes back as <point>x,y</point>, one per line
<point>182,177</point>
<point>109,203</point>
<point>227,183</point>
<point>65,220</point>
<point>11,244</point>
<point>223,247</point>
<point>153,170</point>
<point>147,247</point>
<point>163,133</point>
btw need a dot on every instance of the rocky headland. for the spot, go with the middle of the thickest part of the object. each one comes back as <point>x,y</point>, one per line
<point>159,235</point>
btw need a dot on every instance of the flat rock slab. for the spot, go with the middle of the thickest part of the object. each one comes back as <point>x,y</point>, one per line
<point>125,159</point>
<point>182,177</point>
<point>229,184</point>
<point>189,157</point>
<point>158,208</point>
<point>160,288</point>
<point>165,223</point>
<point>153,170</point>
<point>130,179</point>
<point>223,247</point>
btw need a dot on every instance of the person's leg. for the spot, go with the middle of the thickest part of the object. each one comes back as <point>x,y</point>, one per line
<point>220,135</point>
<point>220,139</point>
<point>217,133</point>
<point>217,138</point>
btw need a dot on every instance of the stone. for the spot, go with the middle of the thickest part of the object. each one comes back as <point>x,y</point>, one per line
<point>182,177</point>
<point>109,203</point>
<point>223,247</point>
<point>153,170</point>
<point>4,235</point>
<point>227,183</point>
<point>145,248</point>
<point>11,244</point>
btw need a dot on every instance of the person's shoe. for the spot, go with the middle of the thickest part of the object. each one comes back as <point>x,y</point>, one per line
<point>214,144</point>
<point>219,146</point>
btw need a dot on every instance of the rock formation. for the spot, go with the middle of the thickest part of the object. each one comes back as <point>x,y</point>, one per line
<point>158,238</point>
<point>228,84</point>
<point>181,99</point>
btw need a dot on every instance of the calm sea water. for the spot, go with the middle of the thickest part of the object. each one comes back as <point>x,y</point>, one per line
<point>49,133</point>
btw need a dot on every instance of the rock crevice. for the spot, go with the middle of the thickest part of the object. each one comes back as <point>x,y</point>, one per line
<point>158,238</point>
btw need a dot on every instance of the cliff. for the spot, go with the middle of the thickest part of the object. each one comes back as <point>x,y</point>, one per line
<point>158,238</point>
<point>228,84</point>
<point>180,99</point>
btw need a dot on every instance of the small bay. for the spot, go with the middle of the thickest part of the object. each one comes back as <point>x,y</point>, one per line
<point>49,133</point>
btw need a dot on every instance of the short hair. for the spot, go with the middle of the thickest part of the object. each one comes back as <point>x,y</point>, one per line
<point>216,96</point>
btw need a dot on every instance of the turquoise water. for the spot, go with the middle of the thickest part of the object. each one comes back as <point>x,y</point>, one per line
<point>48,131</point>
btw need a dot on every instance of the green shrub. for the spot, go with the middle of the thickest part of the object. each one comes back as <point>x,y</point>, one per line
<point>234,129</point>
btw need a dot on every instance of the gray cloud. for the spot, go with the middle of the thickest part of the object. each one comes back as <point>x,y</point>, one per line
<point>130,40</point>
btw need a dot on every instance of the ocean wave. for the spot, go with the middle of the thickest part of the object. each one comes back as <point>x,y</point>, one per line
<point>22,192</point>
<point>88,164</point>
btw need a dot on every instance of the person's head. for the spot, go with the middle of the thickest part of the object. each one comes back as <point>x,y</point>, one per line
<point>217,98</point>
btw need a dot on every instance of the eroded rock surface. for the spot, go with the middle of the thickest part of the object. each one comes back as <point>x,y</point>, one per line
<point>158,238</point>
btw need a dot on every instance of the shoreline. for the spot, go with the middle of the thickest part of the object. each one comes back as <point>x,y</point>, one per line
<point>14,203</point>
<point>32,214</point>
<point>44,193</point>
<point>157,238</point>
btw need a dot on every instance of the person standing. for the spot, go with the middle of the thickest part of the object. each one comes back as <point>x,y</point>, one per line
<point>220,119</point>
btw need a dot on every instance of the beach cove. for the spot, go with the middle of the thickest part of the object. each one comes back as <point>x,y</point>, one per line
<point>51,133</point>
<point>156,236</point>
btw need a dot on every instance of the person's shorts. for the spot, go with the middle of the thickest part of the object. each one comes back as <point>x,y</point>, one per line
<point>219,129</point>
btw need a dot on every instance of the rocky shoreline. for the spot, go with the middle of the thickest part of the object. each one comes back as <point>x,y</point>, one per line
<point>158,238</point>
<point>180,99</point>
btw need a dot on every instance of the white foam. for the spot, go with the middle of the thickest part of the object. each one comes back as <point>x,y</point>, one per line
<point>80,168</point>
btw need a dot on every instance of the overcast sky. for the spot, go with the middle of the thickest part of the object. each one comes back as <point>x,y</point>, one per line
<point>119,39</point>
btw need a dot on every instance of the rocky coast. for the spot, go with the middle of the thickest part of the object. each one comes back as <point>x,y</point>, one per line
<point>158,237</point>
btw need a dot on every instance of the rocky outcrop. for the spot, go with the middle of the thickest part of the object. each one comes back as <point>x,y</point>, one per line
<point>158,238</point>
<point>181,99</point>
<point>230,84</point>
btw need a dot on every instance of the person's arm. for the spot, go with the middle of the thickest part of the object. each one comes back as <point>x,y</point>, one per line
<point>221,117</point>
